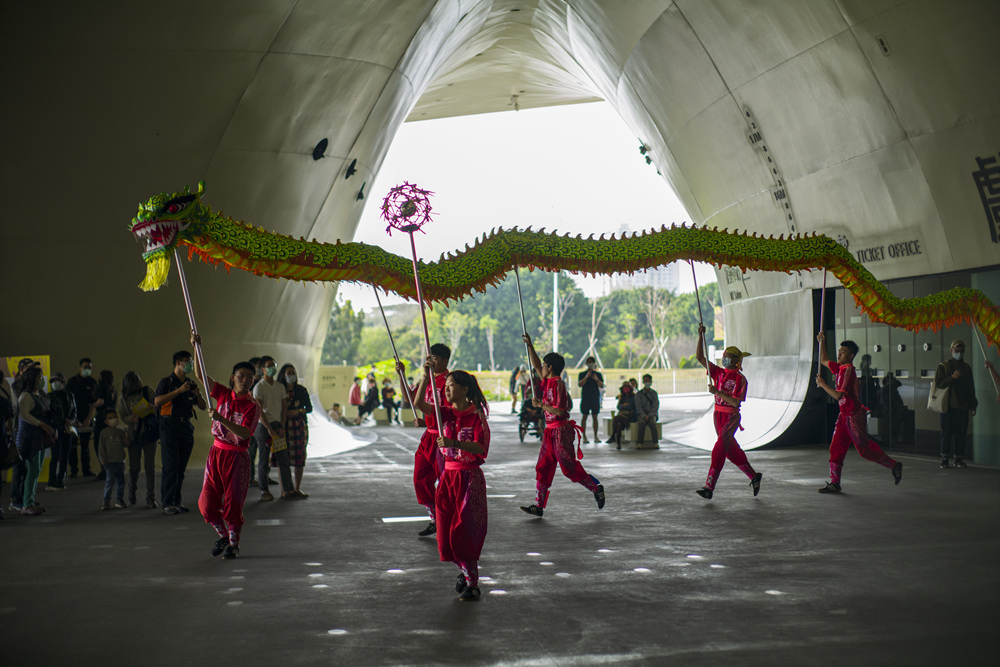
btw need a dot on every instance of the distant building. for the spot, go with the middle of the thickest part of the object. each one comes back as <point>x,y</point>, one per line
<point>662,277</point>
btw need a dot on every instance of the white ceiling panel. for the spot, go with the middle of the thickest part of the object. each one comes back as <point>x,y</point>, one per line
<point>676,76</point>
<point>713,152</point>
<point>821,108</point>
<point>376,31</point>
<point>932,75</point>
<point>749,38</point>
<point>618,24</point>
<point>291,96</point>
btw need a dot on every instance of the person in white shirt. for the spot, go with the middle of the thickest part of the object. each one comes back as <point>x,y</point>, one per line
<point>273,399</point>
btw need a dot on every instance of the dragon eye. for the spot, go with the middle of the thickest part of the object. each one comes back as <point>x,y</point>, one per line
<point>177,205</point>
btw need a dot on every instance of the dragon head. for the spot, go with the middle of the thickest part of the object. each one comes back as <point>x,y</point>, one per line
<point>163,221</point>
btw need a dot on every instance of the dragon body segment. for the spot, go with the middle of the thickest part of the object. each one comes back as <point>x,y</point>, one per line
<point>168,221</point>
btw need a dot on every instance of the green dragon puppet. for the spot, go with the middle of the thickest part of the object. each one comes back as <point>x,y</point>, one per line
<point>168,221</point>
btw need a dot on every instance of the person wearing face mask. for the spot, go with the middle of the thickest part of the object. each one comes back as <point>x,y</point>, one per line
<point>111,454</point>
<point>33,413</point>
<point>227,473</point>
<point>82,387</point>
<point>852,423</point>
<point>591,383</point>
<point>176,398</point>
<point>647,408</point>
<point>63,415</point>
<point>729,387</point>
<point>956,376</point>
<point>273,399</point>
<point>296,431</point>
<point>137,412</point>
<point>624,414</point>
<point>389,401</point>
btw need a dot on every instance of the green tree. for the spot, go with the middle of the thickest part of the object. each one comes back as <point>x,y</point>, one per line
<point>374,346</point>
<point>343,334</point>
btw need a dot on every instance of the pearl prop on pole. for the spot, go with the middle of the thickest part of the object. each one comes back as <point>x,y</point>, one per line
<point>408,208</point>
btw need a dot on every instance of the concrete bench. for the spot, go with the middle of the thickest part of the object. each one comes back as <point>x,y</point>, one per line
<point>631,434</point>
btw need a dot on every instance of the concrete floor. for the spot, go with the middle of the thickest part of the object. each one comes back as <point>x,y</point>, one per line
<point>882,574</point>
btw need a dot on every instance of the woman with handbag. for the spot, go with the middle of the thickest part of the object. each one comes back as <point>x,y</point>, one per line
<point>135,408</point>
<point>33,435</point>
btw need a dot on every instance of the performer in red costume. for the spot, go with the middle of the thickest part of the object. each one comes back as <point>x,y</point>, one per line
<point>227,470</point>
<point>428,463</point>
<point>852,424</point>
<point>460,500</point>
<point>559,435</point>
<point>730,389</point>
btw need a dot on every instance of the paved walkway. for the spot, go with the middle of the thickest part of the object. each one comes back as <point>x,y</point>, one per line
<point>882,574</point>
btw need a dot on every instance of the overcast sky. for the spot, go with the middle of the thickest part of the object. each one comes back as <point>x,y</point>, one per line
<point>572,169</point>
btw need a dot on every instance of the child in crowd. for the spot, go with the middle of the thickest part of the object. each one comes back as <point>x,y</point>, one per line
<point>337,416</point>
<point>111,454</point>
<point>227,470</point>
<point>560,431</point>
<point>852,423</point>
<point>730,389</point>
<point>460,499</point>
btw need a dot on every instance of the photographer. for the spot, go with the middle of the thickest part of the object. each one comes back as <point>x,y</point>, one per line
<point>175,399</point>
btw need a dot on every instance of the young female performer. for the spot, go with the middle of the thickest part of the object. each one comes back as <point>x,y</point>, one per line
<point>460,499</point>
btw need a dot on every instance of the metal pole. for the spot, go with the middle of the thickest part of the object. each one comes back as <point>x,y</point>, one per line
<point>524,330</point>
<point>701,321</point>
<point>395,355</point>
<point>427,335</point>
<point>555,311</point>
<point>822,319</point>
<point>190,313</point>
<point>979,340</point>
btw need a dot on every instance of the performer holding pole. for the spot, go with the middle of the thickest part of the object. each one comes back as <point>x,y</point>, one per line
<point>407,208</point>
<point>560,432</point>
<point>524,331</point>
<point>400,368</point>
<point>701,321</point>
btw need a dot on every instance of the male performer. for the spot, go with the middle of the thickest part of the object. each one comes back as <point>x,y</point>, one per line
<point>428,463</point>
<point>559,434</point>
<point>852,425</point>
<point>227,470</point>
<point>730,390</point>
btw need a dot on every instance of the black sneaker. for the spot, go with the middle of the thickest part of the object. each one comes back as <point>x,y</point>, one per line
<point>599,496</point>
<point>170,509</point>
<point>755,483</point>
<point>944,463</point>
<point>431,529</point>
<point>705,493</point>
<point>830,488</point>
<point>220,546</point>
<point>460,585</point>
<point>120,504</point>
<point>959,463</point>
<point>182,509</point>
<point>150,504</point>
<point>533,510</point>
<point>470,594</point>
<point>897,471</point>
<point>231,551</point>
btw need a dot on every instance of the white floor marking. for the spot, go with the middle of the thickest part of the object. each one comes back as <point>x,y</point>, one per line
<point>404,519</point>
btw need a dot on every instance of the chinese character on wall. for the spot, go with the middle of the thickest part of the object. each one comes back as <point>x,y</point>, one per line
<point>988,181</point>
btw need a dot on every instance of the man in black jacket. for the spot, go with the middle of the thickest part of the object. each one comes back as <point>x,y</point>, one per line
<point>956,375</point>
